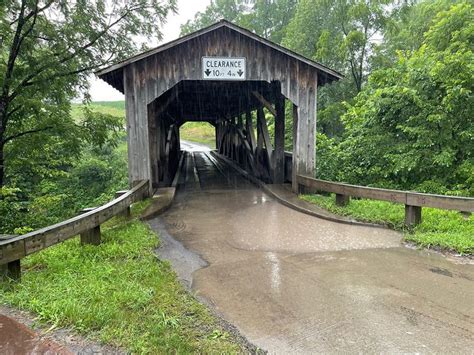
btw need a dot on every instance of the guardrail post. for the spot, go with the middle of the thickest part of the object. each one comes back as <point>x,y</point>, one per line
<point>126,212</point>
<point>90,236</point>
<point>412,215</point>
<point>11,270</point>
<point>466,214</point>
<point>342,200</point>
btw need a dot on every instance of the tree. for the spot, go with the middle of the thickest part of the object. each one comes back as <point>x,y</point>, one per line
<point>267,18</point>
<point>230,10</point>
<point>412,125</point>
<point>406,28</point>
<point>48,48</point>
<point>343,35</point>
<point>340,34</point>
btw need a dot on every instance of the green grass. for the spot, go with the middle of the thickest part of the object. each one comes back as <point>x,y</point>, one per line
<point>114,108</point>
<point>447,230</point>
<point>199,132</point>
<point>118,293</point>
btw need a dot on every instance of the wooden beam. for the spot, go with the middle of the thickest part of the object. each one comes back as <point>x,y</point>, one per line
<point>412,215</point>
<point>248,150</point>
<point>260,143</point>
<point>409,198</point>
<point>264,102</point>
<point>250,131</point>
<point>294,169</point>
<point>266,138</point>
<point>279,152</point>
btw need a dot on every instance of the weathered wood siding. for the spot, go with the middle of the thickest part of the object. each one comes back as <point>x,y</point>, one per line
<point>147,79</point>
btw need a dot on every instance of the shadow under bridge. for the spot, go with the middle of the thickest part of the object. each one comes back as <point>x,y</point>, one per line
<point>249,122</point>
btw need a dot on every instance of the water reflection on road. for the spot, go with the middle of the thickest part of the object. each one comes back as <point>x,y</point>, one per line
<point>295,283</point>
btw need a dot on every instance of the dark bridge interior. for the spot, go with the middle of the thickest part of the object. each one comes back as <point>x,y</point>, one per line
<point>236,110</point>
<point>205,100</point>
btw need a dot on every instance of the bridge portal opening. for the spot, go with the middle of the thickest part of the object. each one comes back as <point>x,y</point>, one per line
<point>201,134</point>
<point>247,119</point>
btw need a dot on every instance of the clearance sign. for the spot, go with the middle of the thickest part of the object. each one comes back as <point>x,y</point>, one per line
<point>223,68</point>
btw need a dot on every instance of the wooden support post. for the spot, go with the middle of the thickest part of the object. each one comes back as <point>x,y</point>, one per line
<point>263,137</point>
<point>294,169</point>
<point>266,139</point>
<point>304,153</point>
<point>91,236</point>
<point>279,152</point>
<point>260,117</point>
<point>250,131</point>
<point>342,200</point>
<point>412,215</point>
<point>126,212</point>
<point>11,270</point>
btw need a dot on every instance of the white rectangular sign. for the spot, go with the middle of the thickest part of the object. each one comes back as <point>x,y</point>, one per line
<point>223,68</point>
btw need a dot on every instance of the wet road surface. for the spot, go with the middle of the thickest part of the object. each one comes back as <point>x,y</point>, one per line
<point>295,283</point>
<point>16,338</point>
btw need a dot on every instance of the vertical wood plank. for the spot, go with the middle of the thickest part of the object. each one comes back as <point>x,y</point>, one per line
<point>294,183</point>
<point>92,236</point>
<point>279,152</point>
<point>250,131</point>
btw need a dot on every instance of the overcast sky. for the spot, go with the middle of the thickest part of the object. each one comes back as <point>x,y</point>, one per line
<point>101,91</point>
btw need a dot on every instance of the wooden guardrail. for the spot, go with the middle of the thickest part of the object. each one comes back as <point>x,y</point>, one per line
<point>87,225</point>
<point>413,201</point>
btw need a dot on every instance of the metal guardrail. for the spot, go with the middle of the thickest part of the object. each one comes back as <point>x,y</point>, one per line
<point>413,201</point>
<point>87,225</point>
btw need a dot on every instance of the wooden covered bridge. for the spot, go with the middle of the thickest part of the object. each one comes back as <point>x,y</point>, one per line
<point>221,74</point>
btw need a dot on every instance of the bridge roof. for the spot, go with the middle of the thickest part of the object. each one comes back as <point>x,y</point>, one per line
<point>114,73</point>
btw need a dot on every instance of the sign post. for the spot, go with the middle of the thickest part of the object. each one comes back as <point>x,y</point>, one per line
<point>223,68</point>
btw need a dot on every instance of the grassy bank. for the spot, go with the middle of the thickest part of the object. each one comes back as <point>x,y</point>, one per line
<point>448,230</point>
<point>199,132</point>
<point>118,293</point>
<point>114,108</point>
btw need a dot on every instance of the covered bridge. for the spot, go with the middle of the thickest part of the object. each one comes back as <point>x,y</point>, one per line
<point>224,75</point>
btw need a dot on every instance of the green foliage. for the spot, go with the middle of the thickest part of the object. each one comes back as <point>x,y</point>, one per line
<point>266,18</point>
<point>48,50</point>
<point>230,10</point>
<point>406,30</point>
<point>412,121</point>
<point>339,33</point>
<point>118,293</point>
<point>44,194</point>
<point>448,230</point>
<point>269,18</point>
